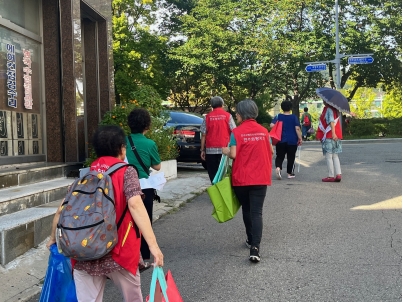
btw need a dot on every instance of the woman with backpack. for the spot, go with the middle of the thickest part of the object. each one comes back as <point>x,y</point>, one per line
<point>121,265</point>
<point>306,122</point>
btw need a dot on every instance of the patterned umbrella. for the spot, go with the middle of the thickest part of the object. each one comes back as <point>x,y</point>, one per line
<point>334,98</point>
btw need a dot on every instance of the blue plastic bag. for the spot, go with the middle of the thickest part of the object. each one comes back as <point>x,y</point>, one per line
<point>59,283</point>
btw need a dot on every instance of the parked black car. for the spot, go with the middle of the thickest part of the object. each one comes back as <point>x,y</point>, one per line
<point>186,127</point>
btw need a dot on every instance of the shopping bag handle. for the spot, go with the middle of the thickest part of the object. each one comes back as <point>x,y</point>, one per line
<point>222,169</point>
<point>158,274</point>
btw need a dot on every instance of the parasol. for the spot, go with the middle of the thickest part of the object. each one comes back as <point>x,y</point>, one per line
<point>334,98</point>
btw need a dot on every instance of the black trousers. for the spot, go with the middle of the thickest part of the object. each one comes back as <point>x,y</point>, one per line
<point>148,203</point>
<point>281,150</point>
<point>212,162</point>
<point>252,199</point>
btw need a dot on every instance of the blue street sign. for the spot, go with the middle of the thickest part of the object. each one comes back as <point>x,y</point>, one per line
<point>315,67</point>
<point>360,60</point>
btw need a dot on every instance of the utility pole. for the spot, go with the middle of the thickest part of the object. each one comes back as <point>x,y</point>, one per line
<point>337,59</point>
<point>353,58</point>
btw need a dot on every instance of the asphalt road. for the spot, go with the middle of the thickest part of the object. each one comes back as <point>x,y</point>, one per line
<point>321,241</point>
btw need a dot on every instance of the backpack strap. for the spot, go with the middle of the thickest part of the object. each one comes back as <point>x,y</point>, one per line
<point>111,170</point>
<point>133,147</point>
<point>116,167</point>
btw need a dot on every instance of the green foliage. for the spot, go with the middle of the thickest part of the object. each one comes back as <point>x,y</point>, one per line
<point>363,31</point>
<point>163,137</point>
<point>138,53</point>
<point>392,103</point>
<point>264,104</point>
<point>374,127</point>
<point>147,97</point>
<point>360,127</point>
<point>118,115</point>
<point>241,49</point>
<point>361,104</point>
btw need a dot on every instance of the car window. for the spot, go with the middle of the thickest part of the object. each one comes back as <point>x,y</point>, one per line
<point>184,118</point>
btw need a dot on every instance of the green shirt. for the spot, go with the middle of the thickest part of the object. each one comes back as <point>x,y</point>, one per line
<point>147,150</point>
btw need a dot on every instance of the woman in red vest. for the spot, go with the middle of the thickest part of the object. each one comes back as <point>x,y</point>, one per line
<point>251,149</point>
<point>215,132</point>
<point>329,133</point>
<point>121,264</point>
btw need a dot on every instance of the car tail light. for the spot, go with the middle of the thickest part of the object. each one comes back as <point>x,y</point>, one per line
<point>185,133</point>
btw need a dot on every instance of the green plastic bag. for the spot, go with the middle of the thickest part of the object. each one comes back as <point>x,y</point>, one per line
<point>225,203</point>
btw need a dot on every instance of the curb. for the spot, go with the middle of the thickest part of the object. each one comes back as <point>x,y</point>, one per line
<point>360,141</point>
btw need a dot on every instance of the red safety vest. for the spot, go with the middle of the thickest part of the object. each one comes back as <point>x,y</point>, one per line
<point>324,130</point>
<point>252,165</point>
<point>217,128</point>
<point>126,252</point>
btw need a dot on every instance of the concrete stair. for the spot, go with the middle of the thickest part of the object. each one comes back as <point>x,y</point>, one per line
<point>29,197</point>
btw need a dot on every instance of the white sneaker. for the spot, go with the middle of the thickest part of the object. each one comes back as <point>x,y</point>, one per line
<point>278,173</point>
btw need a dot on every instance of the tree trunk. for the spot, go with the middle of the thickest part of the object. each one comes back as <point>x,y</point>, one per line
<point>295,105</point>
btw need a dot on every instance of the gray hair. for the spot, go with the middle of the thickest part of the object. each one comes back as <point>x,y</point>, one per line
<point>216,101</point>
<point>247,109</point>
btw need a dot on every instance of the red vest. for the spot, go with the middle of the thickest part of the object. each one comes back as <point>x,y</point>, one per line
<point>217,128</point>
<point>252,165</point>
<point>126,252</point>
<point>324,129</point>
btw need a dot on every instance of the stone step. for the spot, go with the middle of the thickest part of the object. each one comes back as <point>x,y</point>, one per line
<point>26,229</point>
<point>18,198</point>
<point>17,175</point>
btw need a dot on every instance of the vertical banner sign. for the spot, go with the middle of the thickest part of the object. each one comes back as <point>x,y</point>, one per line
<point>11,76</point>
<point>28,102</point>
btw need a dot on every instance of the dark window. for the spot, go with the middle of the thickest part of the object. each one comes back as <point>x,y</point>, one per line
<point>184,118</point>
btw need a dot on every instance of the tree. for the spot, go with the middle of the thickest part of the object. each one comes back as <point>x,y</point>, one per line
<point>371,26</point>
<point>232,44</point>
<point>138,53</point>
<point>362,102</point>
<point>392,103</point>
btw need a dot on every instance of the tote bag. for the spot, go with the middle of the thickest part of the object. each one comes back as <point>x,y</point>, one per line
<point>222,195</point>
<point>275,132</point>
<point>163,289</point>
<point>224,200</point>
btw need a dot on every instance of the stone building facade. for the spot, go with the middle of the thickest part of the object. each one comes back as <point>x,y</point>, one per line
<point>56,78</point>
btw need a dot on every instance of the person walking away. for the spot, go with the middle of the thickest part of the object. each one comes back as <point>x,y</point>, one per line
<point>121,264</point>
<point>291,138</point>
<point>216,129</point>
<point>139,121</point>
<point>330,134</point>
<point>306,122</point>
<point>251,149</point>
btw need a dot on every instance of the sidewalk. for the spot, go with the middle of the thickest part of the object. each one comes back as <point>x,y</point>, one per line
<point>23,277</point>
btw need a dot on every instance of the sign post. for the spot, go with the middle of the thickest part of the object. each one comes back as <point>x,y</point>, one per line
<point>353,58</point>
<point>360,60</point>
<point>315,67</point>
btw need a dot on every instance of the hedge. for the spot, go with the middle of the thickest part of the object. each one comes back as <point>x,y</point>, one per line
<point>374,126</point>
